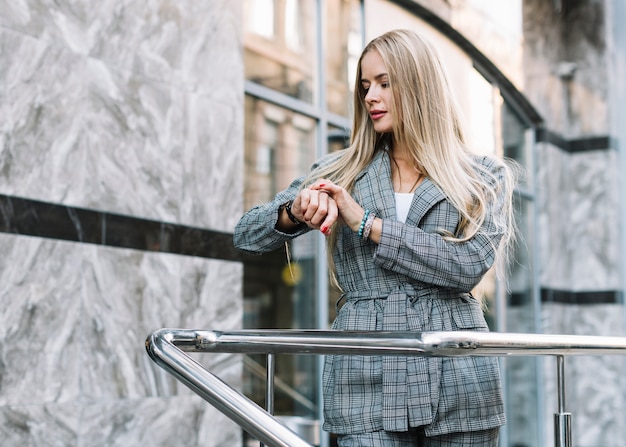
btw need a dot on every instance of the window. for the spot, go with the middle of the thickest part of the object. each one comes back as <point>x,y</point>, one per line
<point>285,59</point>
<point>259,17</point>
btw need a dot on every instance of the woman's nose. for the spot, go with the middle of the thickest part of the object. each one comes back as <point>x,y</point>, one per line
<point>372,96</point>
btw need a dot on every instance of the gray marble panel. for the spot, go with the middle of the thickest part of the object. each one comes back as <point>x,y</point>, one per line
<point>212,191</point>
<point>72,359</point>
<point>184,421</point>
<point>40,317</point>
<point>578,219</point>
<point>164,291</point>
<point>54,425</point>
<point>93,136</point>
<point>42,117</point>
<point>133,107</point>
<point>179,42</point>
<point>195,45</point>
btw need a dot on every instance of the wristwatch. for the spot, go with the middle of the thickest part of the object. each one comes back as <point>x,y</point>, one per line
<point>287,207</point>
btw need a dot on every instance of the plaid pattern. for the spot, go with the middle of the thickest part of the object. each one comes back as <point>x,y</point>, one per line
<point>416,438</point>
<point>412,280</point>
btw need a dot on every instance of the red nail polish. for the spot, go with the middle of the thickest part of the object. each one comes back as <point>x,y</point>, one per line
<point>322,185</point>
<point>324,229</point>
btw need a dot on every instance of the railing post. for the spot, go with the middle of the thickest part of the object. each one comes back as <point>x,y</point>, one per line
<point>269,384</point>
<point>269,387</point>
<point>562,420</point>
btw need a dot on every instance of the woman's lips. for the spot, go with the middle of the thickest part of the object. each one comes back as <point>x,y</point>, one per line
<point>377,114</point>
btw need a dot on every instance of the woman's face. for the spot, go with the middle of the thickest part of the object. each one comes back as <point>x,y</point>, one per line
<point>375,83</point>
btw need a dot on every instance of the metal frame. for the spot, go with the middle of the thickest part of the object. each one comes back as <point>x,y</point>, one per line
<point>168,347</point>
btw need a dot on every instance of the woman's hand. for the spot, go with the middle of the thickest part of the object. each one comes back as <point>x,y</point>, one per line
<point>315,208</point>
<point>350,212</point>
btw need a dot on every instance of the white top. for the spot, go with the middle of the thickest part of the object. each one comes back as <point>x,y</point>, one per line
<point>403,204</point>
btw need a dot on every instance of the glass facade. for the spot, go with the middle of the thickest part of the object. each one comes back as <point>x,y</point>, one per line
<point>286,129</point>
<point>300,61</point>
<point>520,302</point>
<point>280,46</point>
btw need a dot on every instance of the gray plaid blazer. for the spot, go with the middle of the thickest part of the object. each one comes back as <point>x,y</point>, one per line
<point>412,280</point>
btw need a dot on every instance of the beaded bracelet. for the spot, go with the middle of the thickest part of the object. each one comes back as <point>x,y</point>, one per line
<point>362,226</point>
<point>367,228</point>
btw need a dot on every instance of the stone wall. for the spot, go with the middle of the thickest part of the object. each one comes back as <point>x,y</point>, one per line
<point>133,109</point>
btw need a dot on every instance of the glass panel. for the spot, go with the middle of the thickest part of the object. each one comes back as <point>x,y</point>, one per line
<point>280,145</point>
<point>517,304</point>
<point>515,146</point>
<point>280,45</point>
<point>521,372</point>
<point>344,43</point>
<point>338,138</point>
<point>481,120</point>
<point>259,17</point>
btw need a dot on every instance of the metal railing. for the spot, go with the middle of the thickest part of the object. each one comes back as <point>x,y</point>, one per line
<point>168,347</point>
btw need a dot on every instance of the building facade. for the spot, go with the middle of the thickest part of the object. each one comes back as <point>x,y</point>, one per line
<point>134,135</point>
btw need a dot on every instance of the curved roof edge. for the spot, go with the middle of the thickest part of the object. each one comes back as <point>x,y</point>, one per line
<point>482,63</point>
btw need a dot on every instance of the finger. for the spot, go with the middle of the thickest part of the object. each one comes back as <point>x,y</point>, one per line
<point>301,204</point>
<point>318,183</point>
<point>322,209</point>
<point>324,185</point>
<point>312,206</point>
<point>332,216</point>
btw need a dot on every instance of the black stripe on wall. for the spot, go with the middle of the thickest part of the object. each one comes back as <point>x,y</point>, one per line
<point>568,297</point>
<point>599,143</point>
<point>34,218</point>
<point>588,297</point>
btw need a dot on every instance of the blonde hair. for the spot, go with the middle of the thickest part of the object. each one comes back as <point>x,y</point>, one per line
<point>427,124</point>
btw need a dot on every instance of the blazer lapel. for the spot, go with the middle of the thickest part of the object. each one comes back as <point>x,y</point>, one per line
<point>375,188</point>
<point>426,196</point>
<point>374,191</point>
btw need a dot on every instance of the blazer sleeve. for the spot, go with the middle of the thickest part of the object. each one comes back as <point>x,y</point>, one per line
<point>256,233</point>
<point>427,257</point>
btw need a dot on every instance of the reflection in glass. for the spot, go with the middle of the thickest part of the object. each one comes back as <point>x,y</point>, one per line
<point>259,17</point>
<point>344,43</point>
<point>481,116</point>
<point>515,145</point>
<point>521,372</point>
<point>338,138</point>
<point>280,46</point>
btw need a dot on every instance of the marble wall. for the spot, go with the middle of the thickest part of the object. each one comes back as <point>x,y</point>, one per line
<point>135,108</point>
<point>580,259</point>
<point>580,203</point>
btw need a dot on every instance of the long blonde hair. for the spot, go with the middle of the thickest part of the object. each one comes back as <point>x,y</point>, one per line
<point>427,122</point>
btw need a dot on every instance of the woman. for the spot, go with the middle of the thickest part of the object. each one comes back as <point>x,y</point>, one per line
<point>413,221</point>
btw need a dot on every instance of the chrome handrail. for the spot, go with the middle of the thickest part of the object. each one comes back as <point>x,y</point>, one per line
<point>167,348</point>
